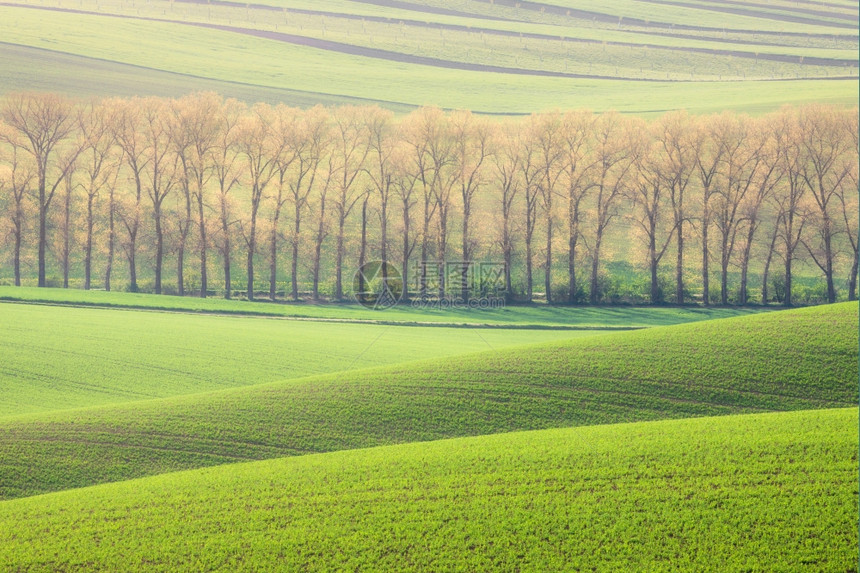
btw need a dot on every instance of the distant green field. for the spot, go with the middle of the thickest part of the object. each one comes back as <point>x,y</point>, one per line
<point>775,492</point>
<point>59,358</point>
<point>789,360</point>
<point>83,77</point>
<point>727,64</point>
<point>516,316</point>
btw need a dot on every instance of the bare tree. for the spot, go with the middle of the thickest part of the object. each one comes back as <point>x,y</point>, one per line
<point>508,180</point>
<point>160,172</point>
<point>790,201</point>
<point>651,206</point>
<point>613,162</point>
<point>194,134</point>
<point>576,166</point>
<point>766,178</point>
<point>847,193</point>
<point>45,122</point>
<point>225,167</point>
<point>99,166</point>
<point>742,160</point>
<point>824,143</point>
<point>310,148</point>
<point>287,138</point>
<point>419,131</point>
<point>709,150</point>
<point>352,131</point>
<point>531,174</point>
<point>16,179</point>
<point>444,177</point>
<point>381,171</point>
<point>472,147</point>
<point>65,226</point>
<point>404,181</point>
<point>676,164</point>
<point>130,137</point>
<point>254,140</point>
<point>550,156</point>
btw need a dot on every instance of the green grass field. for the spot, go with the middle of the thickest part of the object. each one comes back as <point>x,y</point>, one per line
<point>62,357</point>
<point>161,433</point>
<point>772,492</point>
<point>534,316</point>
<point>501,58</point>
<point>790,360</point>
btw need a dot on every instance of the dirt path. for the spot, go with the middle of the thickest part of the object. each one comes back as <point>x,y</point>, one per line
<point>765,15</point>
<point>614,19</point>
<point>796,9</point>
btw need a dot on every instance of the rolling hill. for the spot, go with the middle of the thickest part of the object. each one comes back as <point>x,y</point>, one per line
<point>789,360</point>
<point>65,357</point>
<point>505,57</point>
<point>775,491</point>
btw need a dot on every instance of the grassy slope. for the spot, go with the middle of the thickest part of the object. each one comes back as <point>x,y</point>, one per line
<point>773,492</point>
<point>83,77</point>
<point>62,357</point>
<point>788,360</point>
<point>226,56</point>
<point>521,316</point>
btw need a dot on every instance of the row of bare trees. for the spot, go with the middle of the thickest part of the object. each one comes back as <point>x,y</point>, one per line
<point>153,180</point>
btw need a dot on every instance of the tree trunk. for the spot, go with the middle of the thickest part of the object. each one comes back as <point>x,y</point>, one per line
<point>852,280</point>
<point>422,286</point>
<point>595,267</point>
<point>406,250</point>
<point>42,243</point>
<point>724,273</point>
<point>88,249</point>
<point>294,270</point>
<point>548,269</point>
<point>318,249</point>
<point>706,255</point>
<point>828,261</point>
<point>652,252</point>
<point>464,267</point>
<point>443,251</point>
<point>132,264</point>
<point>384,231</point>
<point>159,249</point>
<point>787,301</point>
<point>571,269</point>
<point>225,228</point>
<point>228,283</point>
<point>67,230</point>
<point>363,252</point>
<point>529,280</point>
<point>679,266</point>
<point>204,246</point>
<point>17,254</point>
<point>572,240</point>
<point>252,247</point>
<point>767,261</point>
<point>338,287</point>
<point>111,239</point>
<point>43,227</point>
<point>273,260</point>
<point>507,253</point>
<point>180,268</point>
